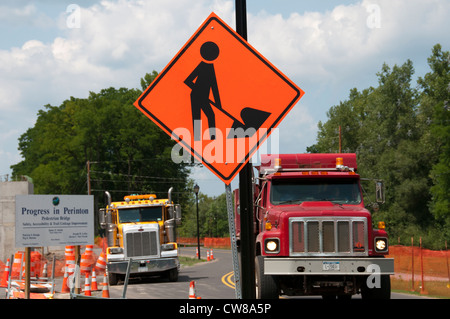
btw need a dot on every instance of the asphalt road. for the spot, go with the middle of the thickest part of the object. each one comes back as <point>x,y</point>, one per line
<point>207,276</point>
<point>213,280</point>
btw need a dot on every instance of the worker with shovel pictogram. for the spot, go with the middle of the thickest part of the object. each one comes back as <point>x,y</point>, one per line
<point>202,82</point>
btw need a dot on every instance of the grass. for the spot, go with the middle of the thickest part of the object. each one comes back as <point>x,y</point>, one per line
<point>434,289</point>
<point>189,261</point>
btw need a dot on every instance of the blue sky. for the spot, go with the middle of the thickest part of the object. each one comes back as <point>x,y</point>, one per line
<point>326,47</point>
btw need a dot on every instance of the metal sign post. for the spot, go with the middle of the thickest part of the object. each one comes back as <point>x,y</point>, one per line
<point>234,254</point>
<point>245,194</point>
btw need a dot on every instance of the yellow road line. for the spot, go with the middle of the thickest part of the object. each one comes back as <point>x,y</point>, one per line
<point>226,280</point>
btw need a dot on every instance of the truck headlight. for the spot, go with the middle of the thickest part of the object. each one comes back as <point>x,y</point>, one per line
<point>165,247</point>
<point>381,245</point>
<point>272,245</point>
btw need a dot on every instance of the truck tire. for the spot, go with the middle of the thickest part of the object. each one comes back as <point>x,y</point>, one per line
<point>113,279</point>
<point>383,292</point>
<point>172,275</point>
<point>266,285</point>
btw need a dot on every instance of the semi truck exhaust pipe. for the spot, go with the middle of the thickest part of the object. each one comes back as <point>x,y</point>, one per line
<point>108,196</point>
<point>169,195</point>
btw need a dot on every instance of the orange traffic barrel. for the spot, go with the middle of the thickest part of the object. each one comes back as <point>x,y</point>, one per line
<point>101,262</point>
<point>36,258</point>
<point>86,262</point>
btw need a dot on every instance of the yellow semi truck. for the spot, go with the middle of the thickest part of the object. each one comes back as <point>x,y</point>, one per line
<point>141,228</point>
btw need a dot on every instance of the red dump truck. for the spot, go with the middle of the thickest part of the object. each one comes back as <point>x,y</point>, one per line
<point>314,235</point>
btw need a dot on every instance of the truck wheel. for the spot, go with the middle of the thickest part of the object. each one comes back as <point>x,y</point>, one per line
<point>266,286</point>
<point>172,275</point>
<point>113,280</point>
<point>383,292</point>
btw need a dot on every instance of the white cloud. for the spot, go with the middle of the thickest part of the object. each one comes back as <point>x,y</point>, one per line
<point>344,41</point>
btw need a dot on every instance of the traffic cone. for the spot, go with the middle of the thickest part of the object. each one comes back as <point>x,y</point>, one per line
<point>87,286</point>
<point>212,255</point>
<point>4,281</point>
<point>207,256</point>
<point>192,291</point>
<point>196,252</point>
<point>105,291</point>
<point>65,287</point>
<point>94,286</point>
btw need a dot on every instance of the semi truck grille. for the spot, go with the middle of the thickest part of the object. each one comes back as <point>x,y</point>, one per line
<point>141,243</point>
<point>328,236</point>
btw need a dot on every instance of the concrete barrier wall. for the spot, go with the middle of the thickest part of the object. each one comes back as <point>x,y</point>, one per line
<point>8,192</point>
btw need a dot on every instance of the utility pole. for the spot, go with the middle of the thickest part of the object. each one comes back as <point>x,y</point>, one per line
<point>88,167</point>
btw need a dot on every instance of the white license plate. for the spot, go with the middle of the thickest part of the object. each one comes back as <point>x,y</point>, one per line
<point>330,265</point>
<point>142,267</point>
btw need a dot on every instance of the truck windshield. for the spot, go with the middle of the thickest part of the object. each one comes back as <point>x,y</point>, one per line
<point>339,191</point>
<point>140,214</point>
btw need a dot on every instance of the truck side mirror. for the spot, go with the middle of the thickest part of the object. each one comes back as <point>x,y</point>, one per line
<point>102,218</point>
<point>379,191</point>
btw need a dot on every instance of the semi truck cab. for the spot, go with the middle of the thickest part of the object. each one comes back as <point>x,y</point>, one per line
<point>143,228</point>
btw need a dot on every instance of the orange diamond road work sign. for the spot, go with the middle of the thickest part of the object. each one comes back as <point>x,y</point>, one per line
<point>219,98</point>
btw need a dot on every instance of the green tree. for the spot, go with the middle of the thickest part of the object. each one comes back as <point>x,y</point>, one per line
<point>213,216</point>
<point>435,119</point>
<point>401,135</point>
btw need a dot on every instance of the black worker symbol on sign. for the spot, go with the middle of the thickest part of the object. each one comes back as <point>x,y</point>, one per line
<point>202,81</point>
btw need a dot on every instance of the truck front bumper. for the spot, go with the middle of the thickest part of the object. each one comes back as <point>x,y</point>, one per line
<point>328,266</point>
<point>144,265</point>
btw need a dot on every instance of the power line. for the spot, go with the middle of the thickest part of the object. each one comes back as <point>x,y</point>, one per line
<point>138,160</point>
<point>134,192</point>
<point>118,181</point>
<point>138,176</point>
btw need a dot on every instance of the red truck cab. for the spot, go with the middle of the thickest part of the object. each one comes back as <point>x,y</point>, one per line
<point>314,235</point>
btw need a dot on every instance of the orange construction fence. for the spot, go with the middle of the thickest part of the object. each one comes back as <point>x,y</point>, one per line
<point>421,270</point>
<point>412,261</point>
<point>210,242</point>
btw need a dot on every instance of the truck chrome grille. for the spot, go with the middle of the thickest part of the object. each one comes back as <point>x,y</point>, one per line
<point>141,243</point>
<point>328,236</point>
